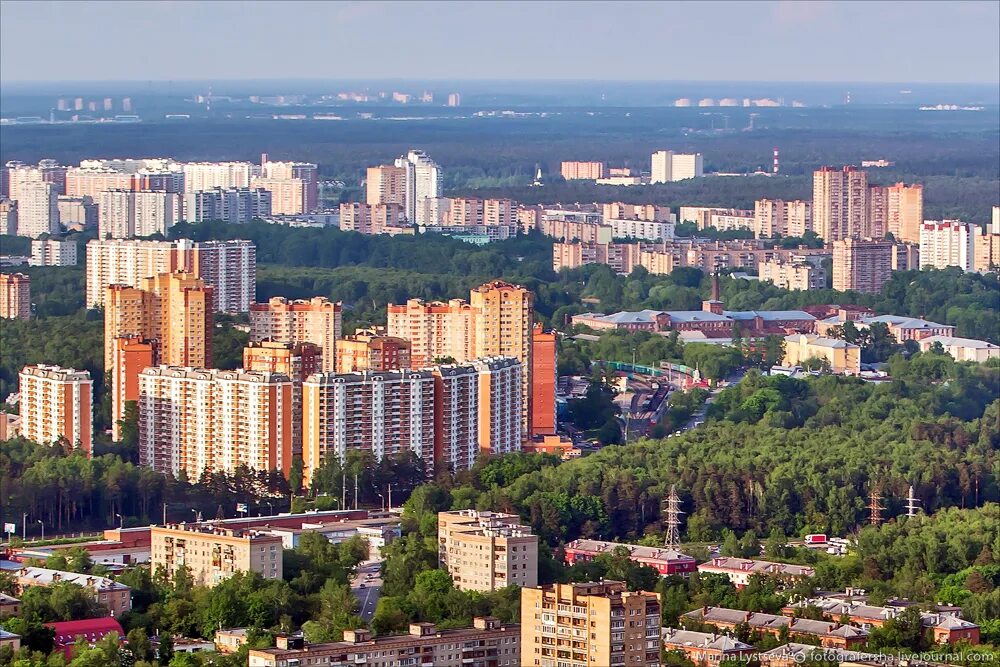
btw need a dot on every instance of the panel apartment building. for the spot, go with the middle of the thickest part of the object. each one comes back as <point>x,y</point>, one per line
<point>230,267</point>
<point>57,404</point>
<point>587,624</point>
<point>214,554</point>
<point>316,321</point>
<point>487,551</point>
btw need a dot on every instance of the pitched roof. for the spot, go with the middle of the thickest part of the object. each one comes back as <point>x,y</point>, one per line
<point>635,550</point>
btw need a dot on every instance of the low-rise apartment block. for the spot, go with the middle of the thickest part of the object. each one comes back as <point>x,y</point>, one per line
<point>115,597</point>
<point>839,355</point>
<point>827,633</point>
<point>705,648</point>
<point>488,643</point>
<point>587,624</point>
<point>212,554</point>
<point>666,561</point>
<point>590,171</point>
<point>486,551</point>
<point>739,570</point>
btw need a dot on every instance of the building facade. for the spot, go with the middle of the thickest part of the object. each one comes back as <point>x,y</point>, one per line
<point>213,555</point>
<point>56,405</point>
<point>486,551</point>
<point>905,205</point>
<point>572,171</point>
<point>38,209</point>
<point>840,203</point>
<point>586,624</point>
<point>793,276</point>
<point>15,296</point>
<point>948,243</point>
<point>316,321</point>
<point>196,420</point>
<point>862,265</point>
<point>53,252</point>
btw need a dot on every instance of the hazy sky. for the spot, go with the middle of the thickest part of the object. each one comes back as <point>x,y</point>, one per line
<point>795,40</point>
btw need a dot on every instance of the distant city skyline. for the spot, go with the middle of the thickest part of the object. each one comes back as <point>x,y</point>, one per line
<point>918,42</point>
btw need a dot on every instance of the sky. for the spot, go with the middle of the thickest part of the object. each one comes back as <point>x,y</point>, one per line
<point>791,40</point>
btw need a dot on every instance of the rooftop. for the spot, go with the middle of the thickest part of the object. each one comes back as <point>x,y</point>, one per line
<point>635,550</point>
<point>40,576</point>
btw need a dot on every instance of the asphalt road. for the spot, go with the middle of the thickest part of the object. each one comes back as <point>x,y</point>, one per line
<point>367,587</point>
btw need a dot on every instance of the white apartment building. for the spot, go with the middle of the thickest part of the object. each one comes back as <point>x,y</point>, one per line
<point>722,219</point>
<point>667,166</point>
<point>423,181</point>
<point>230,267</point>
<point>37,209</point>
<point>947,243</point>
<point>207,175</point>
<point>236,206</point>
<point>501,399</point>
<point>194,419</point>
<point>126,214</point>
<point>649,230</point>
<point>778,217</point>
<point>53,252</point>
<point>686,165</point>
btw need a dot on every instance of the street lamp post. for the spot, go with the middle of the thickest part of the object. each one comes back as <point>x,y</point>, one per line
<point>42,523</point>
<point>24,526</point>
<point>121,520</point>
<point>383,499</point>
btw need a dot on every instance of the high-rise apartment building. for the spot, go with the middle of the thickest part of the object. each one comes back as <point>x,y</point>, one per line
<point>208,175</point>
<point>948,243</point>
<point>131,355</point>
<point>193,420</point>
<point>53,252</point>
<point>661,167</point>
<point>19,174</point>
<point>371,218</point>
<point>543,381</point>
<point>436,330</point>
<point>489,212</point>
<point>301,175</point>
<point>236,206</point>
<point>905,206</point>
<point>386,184</point>
<point>487,551</point>
<point>588,624</point>
<point>686,165</point>
<point>586,171</point>
<point>446,415</point>
<point>297,361</point>
<point>456,416</point>
<point>504,315</point>
<point>124,215</point>
<point>77,213</point>
<point>56,405</point>
<point>384,413</point>
<point>501,405</point>
<point>15,296</point>
<point>8,217</point>
<point>37,209</point>
<point>316,321</point>
<point>840,203</point>
<point>777,217</point>
<point>370,351</point>
<point>288,196</point>
<point>878,212</point>
<point>92,181</point>
<point>230,267</point>
<point>423,181</point>
<point>171,313</point>
<point>623,211</point>
<point>495,322</point>
<point>987,252</point>
<point>214,554</point>
<point>862,265</point>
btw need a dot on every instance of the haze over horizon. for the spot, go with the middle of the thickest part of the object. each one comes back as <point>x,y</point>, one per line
<point>776,41</point>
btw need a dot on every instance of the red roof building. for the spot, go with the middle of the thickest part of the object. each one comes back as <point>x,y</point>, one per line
<point>91,630</point>
<point>662,559</point>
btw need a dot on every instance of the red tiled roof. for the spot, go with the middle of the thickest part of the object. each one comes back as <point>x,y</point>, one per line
<point>92,629</point>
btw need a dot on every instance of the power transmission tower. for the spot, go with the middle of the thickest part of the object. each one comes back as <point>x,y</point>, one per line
<point>672,539</point>
<point>912,503</point>
<point>875,506</point>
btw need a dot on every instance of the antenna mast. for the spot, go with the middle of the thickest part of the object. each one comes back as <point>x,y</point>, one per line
<point>875,506</point>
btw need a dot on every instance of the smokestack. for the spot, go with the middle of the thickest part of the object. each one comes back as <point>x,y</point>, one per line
<point>715,286</point>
